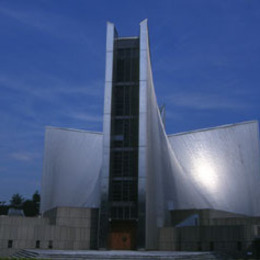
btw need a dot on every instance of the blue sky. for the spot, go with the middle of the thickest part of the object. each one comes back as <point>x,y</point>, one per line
<point>205,58</point>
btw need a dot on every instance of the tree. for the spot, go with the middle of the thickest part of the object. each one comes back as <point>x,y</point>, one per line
<point>31,207</point>
<point>17,201</point>
<point>3,208</point>
<point>36,198</point>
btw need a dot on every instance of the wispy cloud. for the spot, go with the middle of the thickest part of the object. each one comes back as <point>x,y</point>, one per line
<point>23,156</point>
<point>173,115</point>
<point>46,85</point>
<point>86,117</point>
<point>25,17</point>
<point>204,101</point>
<point>52,23</point>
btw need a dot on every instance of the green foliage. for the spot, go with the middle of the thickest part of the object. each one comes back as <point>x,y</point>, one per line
<point>16,201</point>
<point>3,208</point>
<point>31,207</point>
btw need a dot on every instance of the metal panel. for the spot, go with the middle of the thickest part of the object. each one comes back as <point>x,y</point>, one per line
<point>214,168</point>
<point>220,169</point>
<point>71,170</point>
<point>154,150</point>
<point>142,159</point>
<point>103,218</point>
<point>149,154</point>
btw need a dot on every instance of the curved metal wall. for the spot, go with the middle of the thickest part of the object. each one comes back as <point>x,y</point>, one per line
<point>71,169</point>
<point>217,168</point>
<point>220,169</point>
<point>103,212</point>
<point>156,159</point>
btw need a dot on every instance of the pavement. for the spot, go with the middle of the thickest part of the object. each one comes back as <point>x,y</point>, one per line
<point>116,255</point>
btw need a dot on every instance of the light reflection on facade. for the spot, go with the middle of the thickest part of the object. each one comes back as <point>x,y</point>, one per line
<point>215,168</point>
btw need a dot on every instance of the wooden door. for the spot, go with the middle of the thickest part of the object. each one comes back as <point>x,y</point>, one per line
<point>122,236</point>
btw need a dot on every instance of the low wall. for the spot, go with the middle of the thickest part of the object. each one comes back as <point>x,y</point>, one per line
<point>59,228</point>
<point>207,238</point>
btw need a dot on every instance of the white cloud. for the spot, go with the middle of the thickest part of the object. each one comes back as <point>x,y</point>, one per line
<point>46,85</point>
<point>86,117</point>
<point>52,23</point>
<point>23,156</point>
<point>203,101</point>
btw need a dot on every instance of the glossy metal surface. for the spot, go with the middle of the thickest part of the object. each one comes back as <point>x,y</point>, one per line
<point>103,218</point>
<point>154,151</point>
<point>71,170</point>
<point>219,169</point>
<point>215,168</point>
<point>142,149</point>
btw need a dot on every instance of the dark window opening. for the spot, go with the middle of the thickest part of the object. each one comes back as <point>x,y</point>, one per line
<point>124,130</point>
<point>239,246</point>
<point>125,99</point>
<point>211,246</point>
<point>199,246</point>
<point>124,212</point>
<point>123,164</point>
<point>37,244</point>
<point>10,244</point>
<point>50,245</point>
<point>126,65</point>
<point>124,190</point>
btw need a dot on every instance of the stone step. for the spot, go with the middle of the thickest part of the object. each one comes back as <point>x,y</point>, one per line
<point>115,255</point>
<point>23,253</point>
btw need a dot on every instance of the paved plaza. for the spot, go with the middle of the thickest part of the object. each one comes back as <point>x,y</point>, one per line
<point>97,254</point>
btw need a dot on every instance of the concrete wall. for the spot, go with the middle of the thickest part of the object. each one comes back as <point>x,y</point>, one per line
<point>215,230</point>
<point>207,238</point>
<point>236,221</point>
<point>60,228</point>
<point>206,216</point>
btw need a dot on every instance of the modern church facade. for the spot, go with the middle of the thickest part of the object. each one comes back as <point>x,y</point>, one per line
<point>135,173</point>
<point>135,187</point>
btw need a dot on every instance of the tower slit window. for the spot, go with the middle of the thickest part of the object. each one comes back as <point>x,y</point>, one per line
<point>124,130</point>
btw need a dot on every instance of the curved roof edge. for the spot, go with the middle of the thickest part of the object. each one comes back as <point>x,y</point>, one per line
<point>214,128</point>
<point>73,130</point>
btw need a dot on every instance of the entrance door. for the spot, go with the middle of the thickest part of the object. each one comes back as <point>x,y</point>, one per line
<point>122,236</point>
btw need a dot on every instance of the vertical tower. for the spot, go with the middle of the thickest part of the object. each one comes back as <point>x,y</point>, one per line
<point>119,200</point>
<point>129,100</point>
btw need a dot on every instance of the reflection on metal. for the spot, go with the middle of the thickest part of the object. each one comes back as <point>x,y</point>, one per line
<point>219,168</point>
<point>104,206</point>
<point>205,172</point>
<point>142,146</point>
<point>215,168</point>
<point>162,112</point>
<point>71,170</point>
